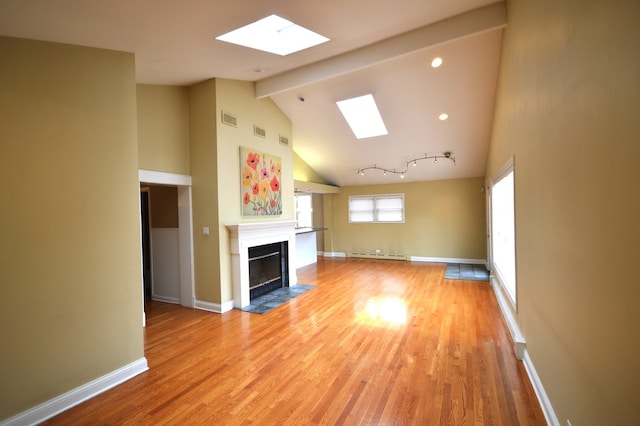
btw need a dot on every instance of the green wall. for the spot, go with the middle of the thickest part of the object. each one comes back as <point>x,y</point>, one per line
<point>444,219</point>
<point>567,110</point>
<point>70,267</point>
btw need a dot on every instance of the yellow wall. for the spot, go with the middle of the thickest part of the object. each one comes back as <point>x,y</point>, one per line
<point>71,305</point>
<point>204,174</point>
<point>303,172</point>
<point>443,219</point>
<point>238,98</point>
<point>163,128</point>
<point>163,211</point>
<point>567,110</point>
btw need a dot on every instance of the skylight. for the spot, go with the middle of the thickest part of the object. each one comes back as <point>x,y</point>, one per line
<point>274,34</point>
<point>363,116</point>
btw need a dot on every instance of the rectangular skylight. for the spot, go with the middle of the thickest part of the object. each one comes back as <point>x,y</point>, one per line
<point>363,116</point>
<point>274,34</point>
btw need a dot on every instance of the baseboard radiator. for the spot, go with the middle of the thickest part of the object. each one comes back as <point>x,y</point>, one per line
<point>378,254</point>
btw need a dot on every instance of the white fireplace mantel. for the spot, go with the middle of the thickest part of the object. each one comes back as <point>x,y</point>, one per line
<point>252,234</point>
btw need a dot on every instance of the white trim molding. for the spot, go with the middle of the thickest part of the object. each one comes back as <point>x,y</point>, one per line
<point>163,178</point>
<point>519,342</point>
<point>543,398</point>
<point>214,307</point>
<point>78,395</point>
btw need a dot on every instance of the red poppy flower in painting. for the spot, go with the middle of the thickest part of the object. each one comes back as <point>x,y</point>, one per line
<point>255,189</point>
<point>275,185</point>
<point>253,159</point>
<point>247,198</point>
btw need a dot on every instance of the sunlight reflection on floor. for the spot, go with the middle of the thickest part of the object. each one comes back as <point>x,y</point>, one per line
<point>388,310</point>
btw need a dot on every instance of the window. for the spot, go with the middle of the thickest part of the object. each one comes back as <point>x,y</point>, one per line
<point>376,208</point>
<point>503,229</point>
<point>304,212</point>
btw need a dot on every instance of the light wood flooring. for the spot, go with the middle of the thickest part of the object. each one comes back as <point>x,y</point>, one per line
<point>376,342</point>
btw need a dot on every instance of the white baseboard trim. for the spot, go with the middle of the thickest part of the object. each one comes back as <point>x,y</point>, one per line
<point>214,307</point>
<point>78,395</point>
<point>334,254</point>
<point>447,260</point>
<point>518,339</point>
<point>165,299</point>
<point>543,398</point>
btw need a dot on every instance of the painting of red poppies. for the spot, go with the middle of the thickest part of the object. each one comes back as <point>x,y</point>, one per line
<point>261,174</point>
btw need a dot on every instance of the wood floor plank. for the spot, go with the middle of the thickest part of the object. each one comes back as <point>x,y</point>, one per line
<point>376,342</point>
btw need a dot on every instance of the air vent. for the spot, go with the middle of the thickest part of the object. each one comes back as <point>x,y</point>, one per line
<point>229,119</point>
<point>284,140</point>
<point>259,131</point>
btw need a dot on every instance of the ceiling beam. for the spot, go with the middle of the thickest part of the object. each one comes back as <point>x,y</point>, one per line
<point>473,22</point>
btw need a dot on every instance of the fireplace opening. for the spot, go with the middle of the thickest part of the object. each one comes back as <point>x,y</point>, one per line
<point>268,268</point>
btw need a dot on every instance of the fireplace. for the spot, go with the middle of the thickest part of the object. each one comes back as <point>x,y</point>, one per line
<point>243,238</point>
<point>268,268</point>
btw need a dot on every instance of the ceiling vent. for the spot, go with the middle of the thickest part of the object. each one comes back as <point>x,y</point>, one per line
<point>259,131</point>
<point>284,140</point>
<point>229,119</point>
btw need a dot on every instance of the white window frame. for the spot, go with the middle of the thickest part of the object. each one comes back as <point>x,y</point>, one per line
<point>375,211</point>
<point>304,216</point>
<point>505,273</point>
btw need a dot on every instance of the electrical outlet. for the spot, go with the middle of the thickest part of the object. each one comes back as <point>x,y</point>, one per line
<point>378,251</point>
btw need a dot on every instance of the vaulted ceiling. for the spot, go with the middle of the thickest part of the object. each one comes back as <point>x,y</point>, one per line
<point>376,46</point>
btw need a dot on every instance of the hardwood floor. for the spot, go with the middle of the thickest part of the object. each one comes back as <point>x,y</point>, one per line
<point>377,342</point>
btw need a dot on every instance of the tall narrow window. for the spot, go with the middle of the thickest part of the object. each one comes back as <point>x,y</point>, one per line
<point>503,229</point>
<point>304,212</point>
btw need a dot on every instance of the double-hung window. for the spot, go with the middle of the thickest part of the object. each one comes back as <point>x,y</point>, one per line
<point>376,208</point>
<point>304,211</point>
<point>503,229</point>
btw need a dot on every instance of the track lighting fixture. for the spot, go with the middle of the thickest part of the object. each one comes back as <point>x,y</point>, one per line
<point>447,155</point>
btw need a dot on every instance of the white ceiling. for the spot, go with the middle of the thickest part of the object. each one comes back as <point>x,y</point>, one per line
<point>377,46</point>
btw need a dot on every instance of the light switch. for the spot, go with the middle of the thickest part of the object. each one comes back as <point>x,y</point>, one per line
<point>205,230</point>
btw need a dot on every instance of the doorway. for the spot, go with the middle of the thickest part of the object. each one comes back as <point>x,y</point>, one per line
<point>146,243</point>
<point>185,275</point>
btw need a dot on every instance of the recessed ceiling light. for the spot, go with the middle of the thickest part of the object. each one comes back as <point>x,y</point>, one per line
<point>443,116</point>
<point>437,61</point>
<point>363,116</point>
<point>274,34</point>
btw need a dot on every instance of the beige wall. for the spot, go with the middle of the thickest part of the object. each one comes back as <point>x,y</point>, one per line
<point>567,110</point>
<point>204,174</point>
<point>71,305</point>
<point>163,128</point>
<point>163,203</point>
<point>238,98</point>
<point>444,219</point>
<point>303,172</point>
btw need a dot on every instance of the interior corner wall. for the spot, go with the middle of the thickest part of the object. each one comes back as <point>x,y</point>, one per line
<point>163,128</point>
<point>70,262</point>
<point>444,219</point>
<point>567,110</point>
<point>204,174</point>
<point>303,172</point>
<point>238,99</point>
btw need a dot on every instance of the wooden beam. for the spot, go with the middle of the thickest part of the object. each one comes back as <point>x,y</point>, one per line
<point>486,18</point>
